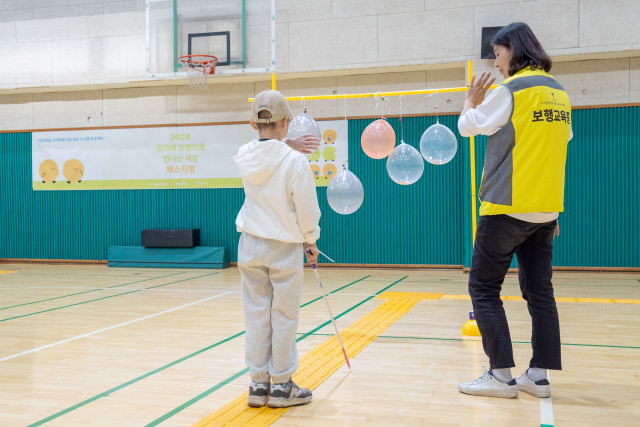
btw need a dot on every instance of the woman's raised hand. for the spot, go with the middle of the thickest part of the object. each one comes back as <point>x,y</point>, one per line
<point>477,90</point>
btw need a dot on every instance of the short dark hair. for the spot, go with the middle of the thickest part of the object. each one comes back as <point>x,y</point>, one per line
<point>526,50</point>
<point>264,114</point>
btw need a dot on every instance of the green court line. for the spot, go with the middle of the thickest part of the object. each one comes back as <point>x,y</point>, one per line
<point>238,374</point>
<point>82,274</point>
<point>347,311</point>
<point>93,290</point>
<point>98,299</point>
<point>197,398</point>
<point>601,345</point>
<point>128,383</point>
<point>162,368</point>
<point>513,342</point>
<point>332,292</point>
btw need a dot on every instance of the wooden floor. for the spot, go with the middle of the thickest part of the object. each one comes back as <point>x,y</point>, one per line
<point>89,345</point>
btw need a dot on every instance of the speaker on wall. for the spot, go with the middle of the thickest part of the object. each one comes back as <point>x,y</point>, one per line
<point>172,238</point>
<point>486,49</point>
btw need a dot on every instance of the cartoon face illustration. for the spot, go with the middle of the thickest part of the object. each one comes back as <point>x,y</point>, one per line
<point>315,170</point>
<point>330,170</point>
<point>73,170</point>
<point>329,154</point>
<point>329,136</point>
<point>315,156</point>
<point>48,171</point>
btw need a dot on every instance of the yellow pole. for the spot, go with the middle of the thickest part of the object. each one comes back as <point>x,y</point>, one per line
<point>373,94</point>
<point>472,148</point>
<point>412,92</point>
<point>472,164</point>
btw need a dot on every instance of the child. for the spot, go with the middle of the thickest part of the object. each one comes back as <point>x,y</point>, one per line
<point>280,212</point>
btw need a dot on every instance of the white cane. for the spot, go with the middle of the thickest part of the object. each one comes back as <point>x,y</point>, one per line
<point>326,301</point>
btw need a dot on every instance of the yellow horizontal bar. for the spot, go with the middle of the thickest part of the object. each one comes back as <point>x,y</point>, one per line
<point>375,94</point>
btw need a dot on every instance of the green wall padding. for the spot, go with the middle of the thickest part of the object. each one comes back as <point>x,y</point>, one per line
<point>195,257</point>
<point>428,222</point>
<point>83,224</point>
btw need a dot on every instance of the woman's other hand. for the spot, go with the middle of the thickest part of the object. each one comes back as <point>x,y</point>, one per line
<point>477,91</point>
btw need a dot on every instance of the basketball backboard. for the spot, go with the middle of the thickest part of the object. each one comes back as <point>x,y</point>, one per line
<point>240,33</point>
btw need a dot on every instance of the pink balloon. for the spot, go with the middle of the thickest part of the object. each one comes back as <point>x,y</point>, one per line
<point>378,139</point>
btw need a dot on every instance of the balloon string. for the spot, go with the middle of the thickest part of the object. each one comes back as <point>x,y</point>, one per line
<point>401,125</point>
<point>379,103</point>
<point>425,100</point>
<point>344,167</point>
<point>435,107</point>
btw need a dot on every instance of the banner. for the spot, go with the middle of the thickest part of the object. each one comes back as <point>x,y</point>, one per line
<point>162,157</point>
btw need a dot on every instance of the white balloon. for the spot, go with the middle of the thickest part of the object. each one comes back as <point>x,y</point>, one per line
<point>438,144</point>
<point>303,124</point>
<point>405,164</point>
<point>345,193</point>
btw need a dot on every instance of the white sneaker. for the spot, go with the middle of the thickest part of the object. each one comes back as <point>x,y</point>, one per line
<point>488,385</point>
<point>258,394</point>
<point>288,394</point>
<point>540,388</point>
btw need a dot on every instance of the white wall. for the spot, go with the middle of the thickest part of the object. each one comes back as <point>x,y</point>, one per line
<point>79,63</point>
<point>23,10</point>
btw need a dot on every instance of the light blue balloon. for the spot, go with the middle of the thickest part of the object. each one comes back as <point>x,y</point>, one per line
<point>405,164</point>
<point>345,193</point>
<point>438,145</point>
<point>303,124</point>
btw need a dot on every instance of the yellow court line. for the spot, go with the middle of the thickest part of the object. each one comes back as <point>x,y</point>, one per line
<point>559,299</point>
<point>7,272</point>
<point>465,297</point>
<point>321,362</point>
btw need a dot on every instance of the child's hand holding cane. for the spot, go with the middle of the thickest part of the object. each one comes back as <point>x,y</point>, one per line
<point>311,252</point>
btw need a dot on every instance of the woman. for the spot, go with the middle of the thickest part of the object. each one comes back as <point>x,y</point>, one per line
<point>528,120</point>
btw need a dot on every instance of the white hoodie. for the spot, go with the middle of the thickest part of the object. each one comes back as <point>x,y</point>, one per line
<point>280,194</point>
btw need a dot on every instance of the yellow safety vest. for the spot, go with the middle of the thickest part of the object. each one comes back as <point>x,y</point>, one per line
<point>525,160</point>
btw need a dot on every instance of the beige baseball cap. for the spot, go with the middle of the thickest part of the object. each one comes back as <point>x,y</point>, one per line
<point>273,102</point>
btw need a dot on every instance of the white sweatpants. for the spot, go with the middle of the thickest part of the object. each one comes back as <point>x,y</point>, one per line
<point>271,291</point>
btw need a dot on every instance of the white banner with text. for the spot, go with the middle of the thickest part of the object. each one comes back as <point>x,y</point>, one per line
<point>162,157</point>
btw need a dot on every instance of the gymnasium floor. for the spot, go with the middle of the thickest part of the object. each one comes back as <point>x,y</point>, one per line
<point>89,345</point>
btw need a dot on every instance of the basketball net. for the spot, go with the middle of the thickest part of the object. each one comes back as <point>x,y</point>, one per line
<point>198,68</point>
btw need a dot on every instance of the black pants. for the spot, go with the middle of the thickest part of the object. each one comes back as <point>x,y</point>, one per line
<point>498,237</point>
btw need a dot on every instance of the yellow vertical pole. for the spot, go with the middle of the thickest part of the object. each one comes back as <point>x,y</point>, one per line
<point>273,81</point>
<point>472,161</point>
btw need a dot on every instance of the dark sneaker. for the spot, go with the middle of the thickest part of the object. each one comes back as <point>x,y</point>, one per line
<point>258,394</point>
<point>488,385</point>
<point>540,388</point>
<point>288,394</point>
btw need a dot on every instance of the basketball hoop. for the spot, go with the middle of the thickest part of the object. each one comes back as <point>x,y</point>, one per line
<point>198,68</point>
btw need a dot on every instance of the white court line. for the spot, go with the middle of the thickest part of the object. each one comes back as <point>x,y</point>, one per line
<point>546,408</point>
<point>112,288</point>
<point>111,327</point>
